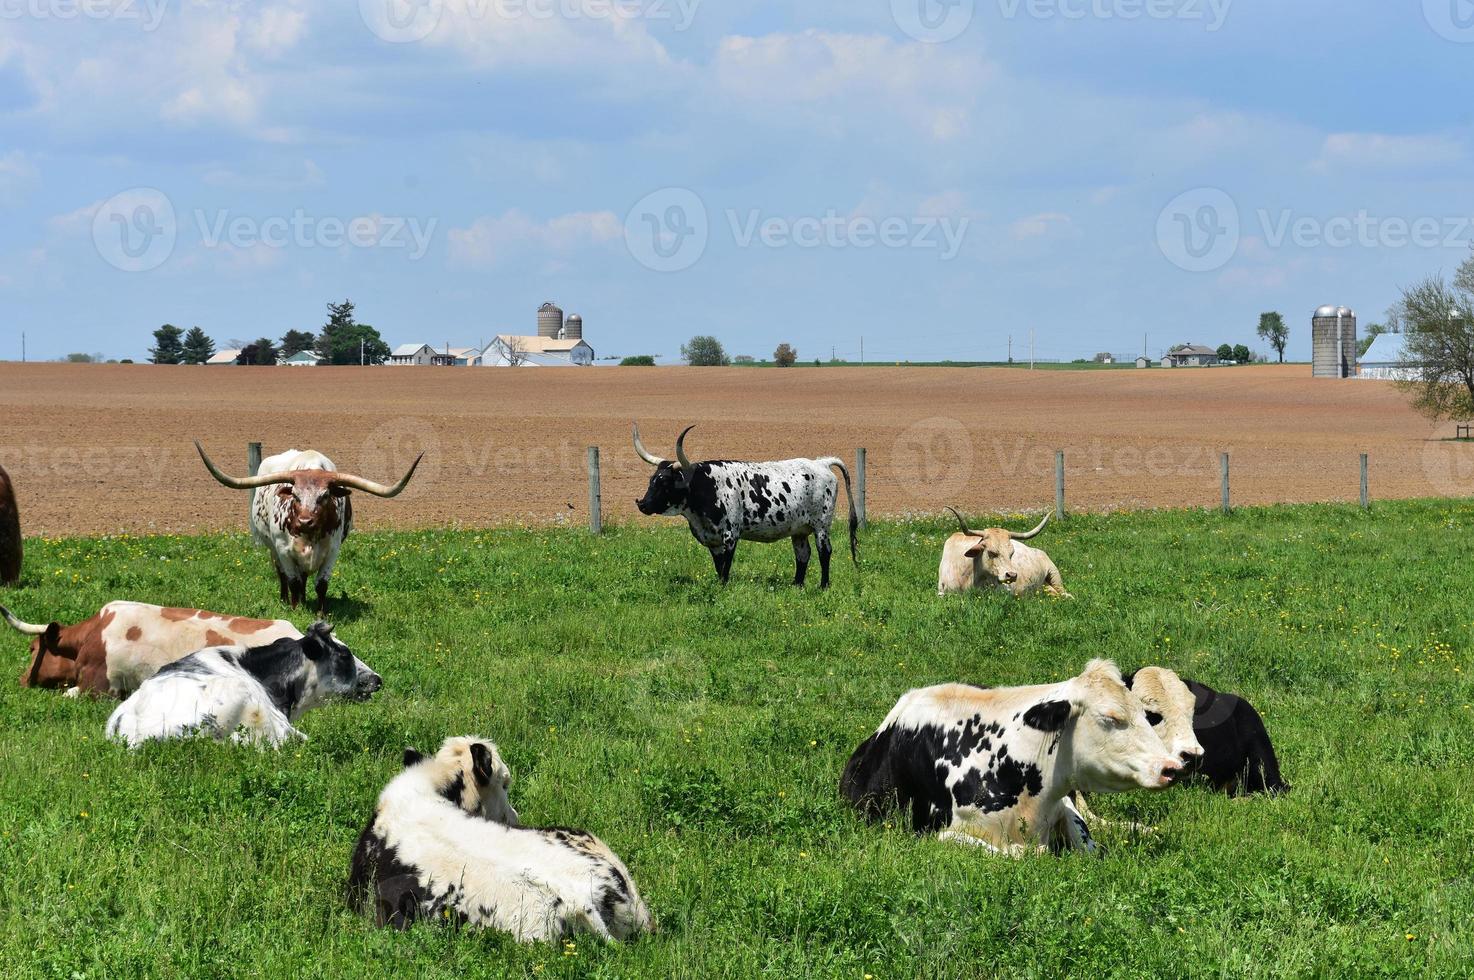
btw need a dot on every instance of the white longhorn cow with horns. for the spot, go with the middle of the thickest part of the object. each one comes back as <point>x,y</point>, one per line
<point>305,519</point>
<point>994,558</point>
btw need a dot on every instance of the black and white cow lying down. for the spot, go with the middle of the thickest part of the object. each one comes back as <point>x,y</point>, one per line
<point>1236,757</point>
<point>246,695</point>
<point>994,767</point>
<point>724,502</point>
<point>444,844</point>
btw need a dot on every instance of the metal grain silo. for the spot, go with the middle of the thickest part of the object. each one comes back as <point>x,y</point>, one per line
<point>573,328</point>
<point>549,320</point>
<point>1333,342</point>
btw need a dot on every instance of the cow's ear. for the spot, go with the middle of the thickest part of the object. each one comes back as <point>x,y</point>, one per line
<point>482,766</point>
<point>1127,679</point>
<point>974,551</point>
<point>315,643</point>
<point>413,757</point>
<point>51,639</point>
<point>1048,716</point>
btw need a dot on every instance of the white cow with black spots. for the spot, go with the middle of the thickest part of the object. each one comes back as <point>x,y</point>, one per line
<point>725,502</point>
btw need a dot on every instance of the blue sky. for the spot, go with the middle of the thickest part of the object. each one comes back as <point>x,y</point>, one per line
<point>932,177</point>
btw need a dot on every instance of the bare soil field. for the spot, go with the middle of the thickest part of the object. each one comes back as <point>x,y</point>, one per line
<point>98,449</point>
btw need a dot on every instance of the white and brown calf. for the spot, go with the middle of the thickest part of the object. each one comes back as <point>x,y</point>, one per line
<point>995,767</point>
<point>996,558</point>
<point>444,844</point>
<point>126,643</point>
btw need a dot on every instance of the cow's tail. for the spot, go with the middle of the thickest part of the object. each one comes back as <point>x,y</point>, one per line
<point>844,471</point>
<point>30,629</point>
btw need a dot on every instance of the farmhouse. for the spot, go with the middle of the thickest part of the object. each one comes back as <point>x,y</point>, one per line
<point>1386,360</point>
<point>224,356</point>
<point>411,354</point>
<point>510,350</point>
<point>303,358</point>
<point>1190,355</point>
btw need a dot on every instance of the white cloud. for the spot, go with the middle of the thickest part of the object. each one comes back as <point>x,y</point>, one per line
<point>490,240</point>
<point>1378,151</point>
<point>1049,224</point>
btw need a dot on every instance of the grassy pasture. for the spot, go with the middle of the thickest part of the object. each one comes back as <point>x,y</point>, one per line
<point>701,731</point>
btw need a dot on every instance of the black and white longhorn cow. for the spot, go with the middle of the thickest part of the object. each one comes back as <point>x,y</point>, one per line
<point>725,502</point>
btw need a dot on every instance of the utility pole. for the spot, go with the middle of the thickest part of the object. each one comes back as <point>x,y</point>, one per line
<point>23,347</point>
<point>1031,350</point>
<point>862,348</point>
<point>360,352</point>
<point>1010,348</point>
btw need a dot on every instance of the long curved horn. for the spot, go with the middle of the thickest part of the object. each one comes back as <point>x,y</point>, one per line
<point>645,454</point>
<point>961,523</point>
<point>30,629</point>
<point>681,449</point>
<point>377,489</point>
<point>244,482</point>
<point>1024,537</point>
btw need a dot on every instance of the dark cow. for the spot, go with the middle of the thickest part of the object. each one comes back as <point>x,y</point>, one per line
<point>305,519</point>
<point>11,547</point>
<point>724,502</point>
<point>1238,758</point>
<point>995,767</point>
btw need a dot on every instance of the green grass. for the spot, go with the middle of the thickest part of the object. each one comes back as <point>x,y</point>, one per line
<point>701,732</point>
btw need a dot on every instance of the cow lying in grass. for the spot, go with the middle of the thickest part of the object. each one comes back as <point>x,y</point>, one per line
<point>444,844</point>
<point>995,767</point>
<point>12,548</point>
<point>994,558</point>
<point>1235,754</point>
<point>127,642</point>
<point>246,695</point>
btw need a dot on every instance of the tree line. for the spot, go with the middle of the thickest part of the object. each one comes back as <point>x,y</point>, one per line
<point>341,340</point>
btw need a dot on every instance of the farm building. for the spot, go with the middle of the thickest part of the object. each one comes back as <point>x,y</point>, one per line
<point>303,358</point>
<point>1386,360</point>
<point>1143,361</point>
<point>1190,355</point>
<point>456,357</point>
<point>509,350</point>
<point>411,354</point>
<point>224,357</point>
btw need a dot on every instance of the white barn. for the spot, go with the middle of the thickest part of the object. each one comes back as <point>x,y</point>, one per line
<point>511,350</point>
<point>1386,360</point>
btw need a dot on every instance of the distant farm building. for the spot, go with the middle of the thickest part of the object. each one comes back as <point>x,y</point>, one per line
<point>224,356</point>
<point>1190,355</point>
<point>1143,361</point>
<point>1387,360</point>
<point>302,358</point>
<point>406,355</point>
<point>1333,342</point>
<point>559,343</point>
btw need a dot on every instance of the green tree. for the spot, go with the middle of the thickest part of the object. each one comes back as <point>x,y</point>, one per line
<point>1374,330</point>
<point>80,359</point>
<point>704,351</point>
<point>785,355</point>
<point>1272,330</point>
<point>638,360</point>
<point>344,340</point>
<point>261,352</point>
<point>1241,353</point>
<point>1225,352</point>
<point>1438,342</point>
<point>295,342</point>
<point>197,347</point>
<point>168,348</point>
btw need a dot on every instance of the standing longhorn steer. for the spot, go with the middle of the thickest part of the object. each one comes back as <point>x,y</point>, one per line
<point>993,558</point>
<point>725,502</point>
<point>127,642</point>
<point>10,542</point>
<point>305,520</point>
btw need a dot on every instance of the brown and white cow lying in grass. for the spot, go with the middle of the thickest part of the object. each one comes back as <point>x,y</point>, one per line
<point>996,767</point>
<point>994,558</point>
<point>127,642</point>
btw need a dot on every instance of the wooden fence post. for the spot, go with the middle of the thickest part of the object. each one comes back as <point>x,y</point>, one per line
<point>253,466</point>
<point>860,484</point>
<point>1059,484</point>
<point>1366,502</point>
<point>1223,465</point>
<point>596,518</point>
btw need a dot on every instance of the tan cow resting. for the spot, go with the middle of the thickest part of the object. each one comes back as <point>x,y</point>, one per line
<point>994,558</point>
<point>127,642</point>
